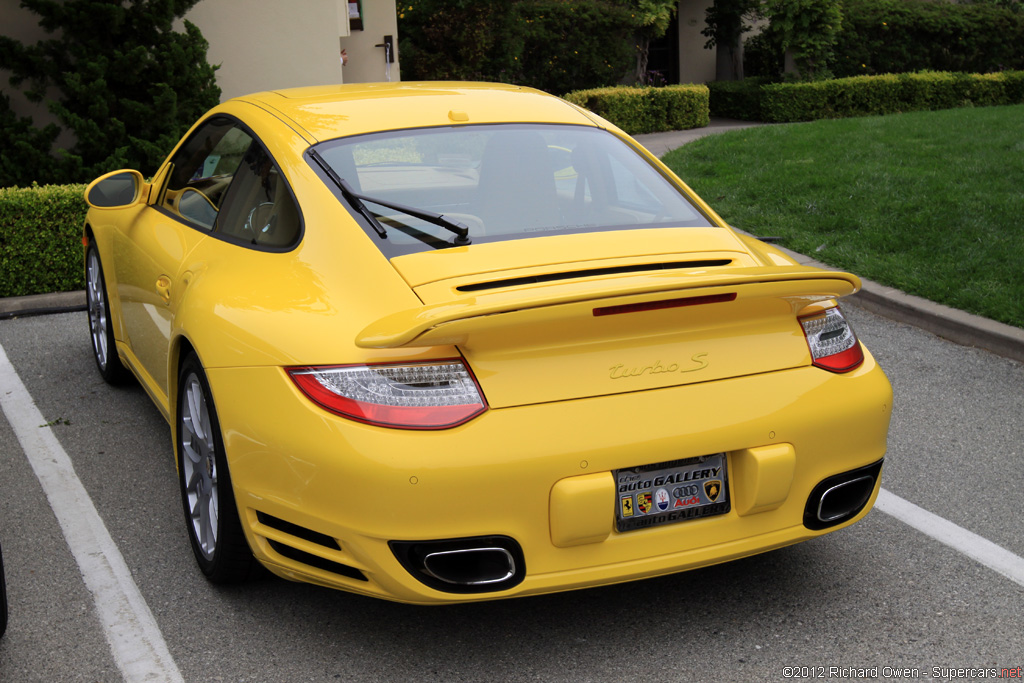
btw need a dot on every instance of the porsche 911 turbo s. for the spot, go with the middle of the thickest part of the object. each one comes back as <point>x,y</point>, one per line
<point>441,342</point>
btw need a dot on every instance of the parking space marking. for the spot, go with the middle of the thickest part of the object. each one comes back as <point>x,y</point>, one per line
<point>967,542</point>
<point>135,639</point>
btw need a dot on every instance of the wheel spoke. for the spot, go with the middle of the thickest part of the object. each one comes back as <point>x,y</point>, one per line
<point>199,466</point>
<point>96,299</point>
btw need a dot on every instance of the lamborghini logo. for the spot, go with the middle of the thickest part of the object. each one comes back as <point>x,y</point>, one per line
<point>712,489</point>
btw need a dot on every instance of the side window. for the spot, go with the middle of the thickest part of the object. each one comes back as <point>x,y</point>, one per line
<point>203,169</point>
<point>258,207</point>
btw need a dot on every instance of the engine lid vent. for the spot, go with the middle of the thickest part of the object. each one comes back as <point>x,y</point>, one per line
<point>591,272</point>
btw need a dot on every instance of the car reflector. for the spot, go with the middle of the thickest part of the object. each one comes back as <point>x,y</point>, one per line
<point>430,395</point>
<point>833,344</point>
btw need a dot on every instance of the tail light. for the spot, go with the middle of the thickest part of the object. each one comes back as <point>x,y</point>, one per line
<point>430,395</point>
<point>833,344</point>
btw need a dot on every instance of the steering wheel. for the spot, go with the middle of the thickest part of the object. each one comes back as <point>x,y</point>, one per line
<point>261,215</point>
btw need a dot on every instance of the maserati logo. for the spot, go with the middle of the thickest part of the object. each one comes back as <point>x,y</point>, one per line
<point>698,361</point>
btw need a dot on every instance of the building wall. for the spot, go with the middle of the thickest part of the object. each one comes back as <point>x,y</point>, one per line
<point>268,44</point>
<point>274,44</point>
<point>259,44</point>
<point>23,25</point>
<point>365,60</point>
<point>696,64</point>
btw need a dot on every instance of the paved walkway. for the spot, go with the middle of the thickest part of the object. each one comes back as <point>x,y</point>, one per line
<point>949,323</point>
<point>663,143</point>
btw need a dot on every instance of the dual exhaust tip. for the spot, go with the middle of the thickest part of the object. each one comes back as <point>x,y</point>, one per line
<point>482,564</point>
<point>841,497</point>
<point>486,564</point>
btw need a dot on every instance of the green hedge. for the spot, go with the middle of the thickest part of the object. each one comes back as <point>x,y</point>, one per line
<point>888,94</point>
<point>894,36</point>
<point>41,239</point>
<point>755,100</point>
<point>648,110</point>
<point>736,99</point>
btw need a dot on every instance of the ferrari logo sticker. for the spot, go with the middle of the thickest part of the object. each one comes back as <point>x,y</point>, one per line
<point>712,489</point>
<point>627,506</point>
<point>643,502</point>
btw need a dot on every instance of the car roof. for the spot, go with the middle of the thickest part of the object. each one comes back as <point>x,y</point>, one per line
<point>327,112</point>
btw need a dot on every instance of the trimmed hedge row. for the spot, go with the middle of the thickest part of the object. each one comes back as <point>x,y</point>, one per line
<point>864,95</point>
<point>41,239</point>
<point>892,36</point>
<point>648,110</point>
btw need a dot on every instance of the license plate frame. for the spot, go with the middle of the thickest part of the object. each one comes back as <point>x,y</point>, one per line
<point>671,492</point>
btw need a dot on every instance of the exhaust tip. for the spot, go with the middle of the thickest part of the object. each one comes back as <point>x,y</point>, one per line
<point>471,566</point>
<point>464,565</point>
<point>841,497</point>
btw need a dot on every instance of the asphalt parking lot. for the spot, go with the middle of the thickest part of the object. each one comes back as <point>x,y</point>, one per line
<point>873,602</point>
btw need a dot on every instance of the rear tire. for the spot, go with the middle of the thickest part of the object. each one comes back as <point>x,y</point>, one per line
<point>101,332</point>
<point>207,497</point>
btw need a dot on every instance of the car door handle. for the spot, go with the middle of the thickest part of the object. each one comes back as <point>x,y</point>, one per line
<point>163,288</point>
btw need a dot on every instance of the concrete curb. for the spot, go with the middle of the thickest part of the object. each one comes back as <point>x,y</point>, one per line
<point>41,304</point>
<point>955,325</point>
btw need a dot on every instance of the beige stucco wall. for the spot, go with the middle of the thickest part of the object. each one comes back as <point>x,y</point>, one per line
<point>269,44</point>
<point>260,44</point>
<point>365,60</point>
<point>696,64</point>
<point>21,24</point>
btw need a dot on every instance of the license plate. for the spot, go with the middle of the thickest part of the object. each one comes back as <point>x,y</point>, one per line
<point>669,492</point>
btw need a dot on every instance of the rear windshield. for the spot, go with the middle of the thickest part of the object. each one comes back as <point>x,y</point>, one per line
<point>503,182</point>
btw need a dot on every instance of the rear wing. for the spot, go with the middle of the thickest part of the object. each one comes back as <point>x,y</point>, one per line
<point>452,323</point>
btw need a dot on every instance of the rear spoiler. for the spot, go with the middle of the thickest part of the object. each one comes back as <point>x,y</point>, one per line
<point>451,323</point>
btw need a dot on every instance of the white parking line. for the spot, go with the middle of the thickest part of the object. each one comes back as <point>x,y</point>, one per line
<point>135,640</point>
<point>967,542</point>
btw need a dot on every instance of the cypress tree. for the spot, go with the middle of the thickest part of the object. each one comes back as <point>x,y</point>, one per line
<point>116,75</point>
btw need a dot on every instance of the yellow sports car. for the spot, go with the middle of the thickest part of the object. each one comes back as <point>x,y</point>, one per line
<point>440,342</point>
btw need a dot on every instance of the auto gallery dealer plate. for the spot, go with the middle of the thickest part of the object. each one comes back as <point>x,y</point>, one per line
<point>671,492</point>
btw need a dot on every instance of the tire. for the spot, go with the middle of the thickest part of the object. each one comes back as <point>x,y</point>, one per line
<point>101,333</point>
<point>211,514</point>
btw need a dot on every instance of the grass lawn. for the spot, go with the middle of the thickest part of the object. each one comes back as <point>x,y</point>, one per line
<point>931,203</point>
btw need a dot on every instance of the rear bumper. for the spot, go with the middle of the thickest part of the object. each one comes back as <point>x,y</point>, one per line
<point>539,475</point>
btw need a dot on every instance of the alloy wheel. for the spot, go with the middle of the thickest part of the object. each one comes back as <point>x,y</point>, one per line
<point>97,305</point>
<point>199,466</point>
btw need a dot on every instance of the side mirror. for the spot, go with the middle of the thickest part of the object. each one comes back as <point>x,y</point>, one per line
<point>115,190</point>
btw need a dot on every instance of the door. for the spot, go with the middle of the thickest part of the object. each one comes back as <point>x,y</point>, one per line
<point>150,255</point>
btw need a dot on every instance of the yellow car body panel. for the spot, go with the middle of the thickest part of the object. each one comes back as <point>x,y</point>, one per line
<point>576,386</point>
<point>414,486</point>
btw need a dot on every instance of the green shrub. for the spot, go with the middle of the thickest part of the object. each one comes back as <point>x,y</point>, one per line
<point>41,239</point>
<point>553,45</point>
<point>736,99</point>
<point>116,75</point>
<point>888,94</point>
<point>896,36</point>
<point>648,110</point>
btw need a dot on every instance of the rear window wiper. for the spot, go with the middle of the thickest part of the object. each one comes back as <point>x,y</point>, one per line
<point>461,230</point>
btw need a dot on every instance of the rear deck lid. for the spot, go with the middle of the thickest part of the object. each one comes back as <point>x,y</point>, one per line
<point>606,326</point>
